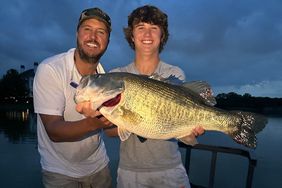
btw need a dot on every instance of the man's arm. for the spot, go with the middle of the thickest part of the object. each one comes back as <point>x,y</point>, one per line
<point>111,131</point>
<point>60,130</point>
<point>85,109</point>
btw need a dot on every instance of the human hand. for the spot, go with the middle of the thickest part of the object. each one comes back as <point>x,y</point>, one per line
<point>198,131</point>
<point>191,138</point>
<point>86,109</point>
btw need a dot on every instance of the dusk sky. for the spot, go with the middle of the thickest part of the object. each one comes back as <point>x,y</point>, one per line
<point>235,45</point>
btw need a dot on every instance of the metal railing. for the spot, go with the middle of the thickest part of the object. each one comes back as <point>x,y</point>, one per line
<point>220,149</point>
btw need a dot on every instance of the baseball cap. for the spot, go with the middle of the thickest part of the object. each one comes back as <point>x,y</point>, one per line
<point>95,13</point>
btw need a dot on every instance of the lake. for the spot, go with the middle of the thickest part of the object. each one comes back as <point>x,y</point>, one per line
<point>20,166</point>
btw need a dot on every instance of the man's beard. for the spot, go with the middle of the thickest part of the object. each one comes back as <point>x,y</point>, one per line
<point>91,59</point>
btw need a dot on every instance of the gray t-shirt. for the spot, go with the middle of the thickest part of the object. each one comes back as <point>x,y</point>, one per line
<point>151,155</point>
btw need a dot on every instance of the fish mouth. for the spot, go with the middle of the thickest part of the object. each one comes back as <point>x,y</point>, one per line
<point>112,102</point>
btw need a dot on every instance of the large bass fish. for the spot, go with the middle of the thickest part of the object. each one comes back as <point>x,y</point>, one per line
<point>157,109</point>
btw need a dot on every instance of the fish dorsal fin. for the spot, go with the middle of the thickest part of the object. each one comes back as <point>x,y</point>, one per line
<point>156,76</point>
<point>172,79</point>
<point>203,89</point>
<point>123,134</point>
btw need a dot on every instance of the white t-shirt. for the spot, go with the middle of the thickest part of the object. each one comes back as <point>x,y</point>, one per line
<point>53,95</point>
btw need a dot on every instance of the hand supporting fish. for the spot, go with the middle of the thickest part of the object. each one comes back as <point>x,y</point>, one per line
<point>161,110</point>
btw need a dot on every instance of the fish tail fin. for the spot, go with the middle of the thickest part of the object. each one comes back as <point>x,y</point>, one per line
<point>251,125</point>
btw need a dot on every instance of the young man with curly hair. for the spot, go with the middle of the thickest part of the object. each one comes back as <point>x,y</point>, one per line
<point>152,163</point>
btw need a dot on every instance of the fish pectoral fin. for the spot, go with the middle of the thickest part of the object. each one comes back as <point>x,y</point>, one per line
<point>189,140</point>
<point>123,134</point>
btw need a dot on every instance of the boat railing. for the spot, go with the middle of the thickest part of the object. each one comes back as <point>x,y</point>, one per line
<point>220,149</point>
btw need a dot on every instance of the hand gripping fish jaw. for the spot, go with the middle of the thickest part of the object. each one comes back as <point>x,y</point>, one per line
<point>99,91</point>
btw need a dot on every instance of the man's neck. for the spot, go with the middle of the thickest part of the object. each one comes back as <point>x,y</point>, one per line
<point>84,68</point>
<point>146,64</point>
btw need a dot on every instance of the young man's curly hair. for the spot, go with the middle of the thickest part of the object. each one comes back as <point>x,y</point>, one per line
<point>147,14</point>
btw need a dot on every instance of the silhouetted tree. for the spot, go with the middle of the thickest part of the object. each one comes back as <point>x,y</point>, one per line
<point>247,95</point>
<point>12,85</point>
<point>247,102</point>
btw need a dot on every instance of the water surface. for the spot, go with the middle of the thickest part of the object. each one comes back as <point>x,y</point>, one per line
<point>20,166</point>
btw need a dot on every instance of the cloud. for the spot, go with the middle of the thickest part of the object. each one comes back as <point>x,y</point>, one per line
<point>234,45</point>
<point>262,89</point>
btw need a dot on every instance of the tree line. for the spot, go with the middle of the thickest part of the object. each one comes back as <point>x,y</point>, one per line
<point>14,89</point>
<point>247,102</point>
